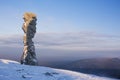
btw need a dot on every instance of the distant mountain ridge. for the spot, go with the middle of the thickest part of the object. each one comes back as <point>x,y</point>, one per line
<point>99,66</point>
<point>100,63</point>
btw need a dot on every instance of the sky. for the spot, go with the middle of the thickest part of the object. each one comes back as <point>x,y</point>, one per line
<point>66,29</point>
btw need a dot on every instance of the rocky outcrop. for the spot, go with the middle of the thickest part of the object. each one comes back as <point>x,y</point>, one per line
<point>29,28</point>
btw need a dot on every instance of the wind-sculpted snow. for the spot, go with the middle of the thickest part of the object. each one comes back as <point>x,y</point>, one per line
<point>8,61</point>
<point>12,70</point>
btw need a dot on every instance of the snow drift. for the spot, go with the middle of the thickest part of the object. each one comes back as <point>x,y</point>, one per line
<point>12,70</point>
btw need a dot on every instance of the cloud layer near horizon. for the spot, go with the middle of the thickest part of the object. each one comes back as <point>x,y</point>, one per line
<point>67,41</point>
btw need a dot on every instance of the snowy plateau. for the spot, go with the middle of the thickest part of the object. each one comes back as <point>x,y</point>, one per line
<point>12,70</point>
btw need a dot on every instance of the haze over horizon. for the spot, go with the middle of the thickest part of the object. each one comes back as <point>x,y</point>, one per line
<point>66,29</point>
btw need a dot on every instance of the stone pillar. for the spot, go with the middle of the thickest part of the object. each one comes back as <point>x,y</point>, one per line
<point>29,28</point>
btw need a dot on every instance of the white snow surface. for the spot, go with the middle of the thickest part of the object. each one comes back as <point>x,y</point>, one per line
<point>12,70</point>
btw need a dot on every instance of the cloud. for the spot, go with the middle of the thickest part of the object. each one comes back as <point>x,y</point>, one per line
<point>10,40</point>
<point>67,41</point>
<point>78,41</point>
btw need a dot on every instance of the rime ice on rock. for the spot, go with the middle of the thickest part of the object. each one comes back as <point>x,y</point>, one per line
<point>29,28</point>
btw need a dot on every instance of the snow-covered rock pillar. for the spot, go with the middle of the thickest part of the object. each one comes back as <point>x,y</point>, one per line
<point>29,28</point>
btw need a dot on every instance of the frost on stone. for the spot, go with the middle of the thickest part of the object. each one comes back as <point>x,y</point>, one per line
<point>29,28</point>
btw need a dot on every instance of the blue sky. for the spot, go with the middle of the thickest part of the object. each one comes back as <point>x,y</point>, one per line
<point>102,16</point>
<point>64,25</point>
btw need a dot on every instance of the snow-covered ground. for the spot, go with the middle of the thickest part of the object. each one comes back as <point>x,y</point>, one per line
<point>12,70</point>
